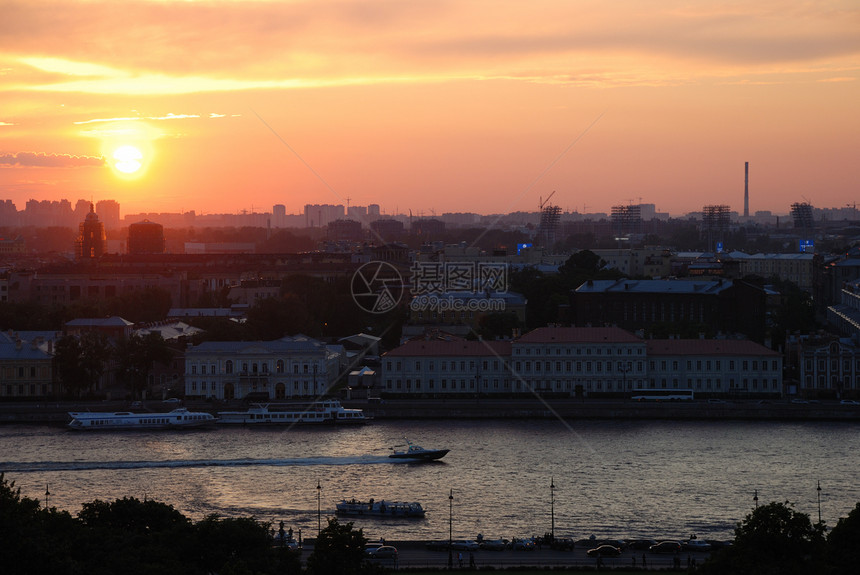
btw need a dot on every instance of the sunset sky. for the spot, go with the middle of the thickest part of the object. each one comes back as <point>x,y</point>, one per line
<point>430,105</point>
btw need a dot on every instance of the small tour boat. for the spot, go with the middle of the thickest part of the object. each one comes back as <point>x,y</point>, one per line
<point>372,508</point>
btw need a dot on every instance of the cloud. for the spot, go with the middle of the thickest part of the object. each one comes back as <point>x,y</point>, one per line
<point>49,160</point>
<point>2,123</point>
<point>153,48</point>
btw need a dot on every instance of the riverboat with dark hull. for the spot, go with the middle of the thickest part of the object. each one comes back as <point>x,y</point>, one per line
<point>179,418</point>
<point>372,508</point>
<point>327,412</point>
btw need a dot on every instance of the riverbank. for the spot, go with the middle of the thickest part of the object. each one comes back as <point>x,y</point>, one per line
<point>482,408</point>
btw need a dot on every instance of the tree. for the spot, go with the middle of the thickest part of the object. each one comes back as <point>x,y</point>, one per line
<point>773,539</point>
<point>136,355</point>
<point>339,550</point>
<point>35,540</point>
<point>67,364</point>
<point>843,544</point>
<point>95,352</point>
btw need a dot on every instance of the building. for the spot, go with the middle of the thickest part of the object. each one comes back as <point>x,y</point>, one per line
<point>798,268</point>
<point>580,361</point>
<point>577,360</point>
<point>146,237</point>
<point>653,262</point>
<point>344,231</point>
<point>828,366</point>
<point>456,367</point>
<point>26,370</point>
<point>113,327</point>
<point>387,230</point>
<point>721,305</point>
<point>844,317</point>
<point>108,212</point>
<point>91,237</point>
<point>737,368</point>
<point>291,367</point>
<point>428,228</point>
<point>321,215</point>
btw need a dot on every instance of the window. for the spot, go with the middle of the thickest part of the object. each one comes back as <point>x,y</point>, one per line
<point>229,366</point>
<point>279,366</point>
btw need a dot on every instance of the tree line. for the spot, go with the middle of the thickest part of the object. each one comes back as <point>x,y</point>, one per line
<point>147,537</point>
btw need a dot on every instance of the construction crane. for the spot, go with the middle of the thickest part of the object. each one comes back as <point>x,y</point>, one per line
<point>542,203</point>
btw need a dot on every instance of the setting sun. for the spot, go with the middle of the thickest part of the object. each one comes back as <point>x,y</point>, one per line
<point>128,159</point>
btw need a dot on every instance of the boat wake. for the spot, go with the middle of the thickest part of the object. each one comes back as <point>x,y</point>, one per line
<point>42,466</point>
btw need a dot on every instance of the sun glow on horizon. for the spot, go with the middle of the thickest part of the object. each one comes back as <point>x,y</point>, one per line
<point>128,159</point>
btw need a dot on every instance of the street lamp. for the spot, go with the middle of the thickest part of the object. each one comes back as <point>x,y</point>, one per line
<point>450,529</point>
<point>819,501</point>
<point>552,509</point>
<point>319,515</point>
<point>48,494</point>
<point>755,498</point>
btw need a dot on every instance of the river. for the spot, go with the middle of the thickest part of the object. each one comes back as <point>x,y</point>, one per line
<point>616,479</point>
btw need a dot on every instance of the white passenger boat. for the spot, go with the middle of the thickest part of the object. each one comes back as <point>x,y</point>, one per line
<point>329,412</point>
<point>354,508</point>
<point>179,418</point>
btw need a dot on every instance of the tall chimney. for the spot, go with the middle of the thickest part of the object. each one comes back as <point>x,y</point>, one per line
<point>746,189</point>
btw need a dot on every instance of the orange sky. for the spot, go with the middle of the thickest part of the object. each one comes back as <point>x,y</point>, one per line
<point>432,105</point>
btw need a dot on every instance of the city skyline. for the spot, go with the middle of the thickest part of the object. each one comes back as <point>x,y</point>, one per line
<point>435,107</point>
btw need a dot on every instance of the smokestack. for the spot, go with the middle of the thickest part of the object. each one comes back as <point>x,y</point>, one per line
<point>746,189</point>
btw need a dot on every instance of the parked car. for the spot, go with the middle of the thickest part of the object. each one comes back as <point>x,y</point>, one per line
<point>604,551</point>
<point>382,552</point>
<point>666,547</point>
<point>495,544</point>
<point>465,545</point>
<point>562,544</point>
<point>523,545</point>
<point>172,401</point>
<point>641,544</point>
<point>696,545</point>
<point>849,402</point>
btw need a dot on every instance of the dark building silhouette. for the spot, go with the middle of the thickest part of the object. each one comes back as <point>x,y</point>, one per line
<point>146,237</point>
<point>91,237</point>
<point>723,305</point>
<point>387,229</point>
<point>344,230</point>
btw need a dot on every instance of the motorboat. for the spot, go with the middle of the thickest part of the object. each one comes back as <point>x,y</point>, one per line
<point>179,418</point>
<point>416,452</point>
<point>382,508</point>
<point>301,413</point>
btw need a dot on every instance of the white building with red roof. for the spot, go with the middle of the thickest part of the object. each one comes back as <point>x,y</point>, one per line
<point>575,361</point>
<point>721,366</point>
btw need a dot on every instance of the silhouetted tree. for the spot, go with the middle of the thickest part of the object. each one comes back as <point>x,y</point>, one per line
<point>136,356</point>
<point>339,550</point>
<point>773,539</point>
<point>843,544</point>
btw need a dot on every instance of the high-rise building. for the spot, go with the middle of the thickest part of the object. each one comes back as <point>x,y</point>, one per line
<point>108,212</point>
<point>91,237</point>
